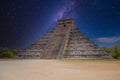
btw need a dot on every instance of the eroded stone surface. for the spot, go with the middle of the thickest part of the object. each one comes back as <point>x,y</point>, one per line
<point>66,41</point>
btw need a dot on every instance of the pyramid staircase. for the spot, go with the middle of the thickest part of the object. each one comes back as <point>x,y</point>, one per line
<point>66,41</point>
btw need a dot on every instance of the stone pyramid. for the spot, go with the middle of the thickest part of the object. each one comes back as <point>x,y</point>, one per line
<point>66,41</point>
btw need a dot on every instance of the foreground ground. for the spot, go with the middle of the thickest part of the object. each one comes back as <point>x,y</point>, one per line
<point>59,70</point>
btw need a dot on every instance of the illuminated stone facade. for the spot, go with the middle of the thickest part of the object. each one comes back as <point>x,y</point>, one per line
<point>66,41</point>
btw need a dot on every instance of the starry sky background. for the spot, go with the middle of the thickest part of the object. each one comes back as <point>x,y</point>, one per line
<point>22,22</point>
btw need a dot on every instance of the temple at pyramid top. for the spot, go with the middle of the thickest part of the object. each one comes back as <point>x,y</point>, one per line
<point>66,22</point>
<point>66,41</point>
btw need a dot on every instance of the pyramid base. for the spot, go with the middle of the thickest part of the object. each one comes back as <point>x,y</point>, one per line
<point>88,57</point>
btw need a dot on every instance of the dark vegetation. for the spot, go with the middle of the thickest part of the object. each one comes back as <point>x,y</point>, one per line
<point>114,52</point>
<point>7,53</point>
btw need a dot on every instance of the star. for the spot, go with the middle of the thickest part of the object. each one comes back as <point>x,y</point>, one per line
<point>8,14</point>
<point>35,17</point>
<point>113,7</point>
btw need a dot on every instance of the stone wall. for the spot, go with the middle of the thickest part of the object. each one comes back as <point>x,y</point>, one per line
<point>66,41</point>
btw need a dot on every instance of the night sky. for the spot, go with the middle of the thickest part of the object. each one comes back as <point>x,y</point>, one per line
<point>22,22</point>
